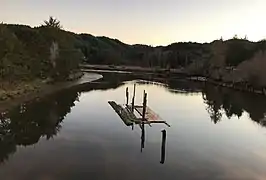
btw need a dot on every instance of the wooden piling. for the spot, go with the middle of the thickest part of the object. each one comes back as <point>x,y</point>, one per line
<point>142,136</point>
<point>127,95</point>
<point>163,146</point>
<point>133,98</point>
<point>144,105</point>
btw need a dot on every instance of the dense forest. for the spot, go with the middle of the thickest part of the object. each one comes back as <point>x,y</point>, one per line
<point>41,52</point>
<point>48,51</point>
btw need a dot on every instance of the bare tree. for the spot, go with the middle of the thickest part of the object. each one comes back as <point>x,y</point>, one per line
<point>54,53</point>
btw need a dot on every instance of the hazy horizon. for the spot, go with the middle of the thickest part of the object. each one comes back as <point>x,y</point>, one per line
<point>151,22</point>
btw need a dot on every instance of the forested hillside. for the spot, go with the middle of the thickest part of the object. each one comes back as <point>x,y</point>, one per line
<point>43,52</point>
<point>49,51</point>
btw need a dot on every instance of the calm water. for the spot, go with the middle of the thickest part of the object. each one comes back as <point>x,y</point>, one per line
<point>215,134</point>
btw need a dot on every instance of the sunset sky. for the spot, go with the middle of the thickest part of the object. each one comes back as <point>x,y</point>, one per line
<point>152,22</point>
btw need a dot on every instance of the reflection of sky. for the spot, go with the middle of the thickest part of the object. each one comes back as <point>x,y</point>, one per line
<point>150,22</point>
<point>93,136</point>
<point>236,146</point>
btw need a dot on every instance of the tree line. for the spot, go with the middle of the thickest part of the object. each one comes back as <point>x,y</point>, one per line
<point>41,52</point>
<point>48,51</point>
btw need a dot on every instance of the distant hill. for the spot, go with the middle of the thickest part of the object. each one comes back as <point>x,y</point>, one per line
<point>27,52</point>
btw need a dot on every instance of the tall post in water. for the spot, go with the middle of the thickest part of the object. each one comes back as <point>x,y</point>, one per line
<point>133,98</point>
<point>142,145</point>
<point>163,146</point>
<point>144,105</point>
<point>127,94</point>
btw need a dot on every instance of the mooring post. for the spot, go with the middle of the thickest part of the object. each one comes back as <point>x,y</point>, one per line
<point>163,146</point>
<point>133,98</point>
<point>144,105</point>
<point>127,94</point>
<point>142,136</point>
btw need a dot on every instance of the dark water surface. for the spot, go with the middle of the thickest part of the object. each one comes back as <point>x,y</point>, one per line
<point>215,134</point>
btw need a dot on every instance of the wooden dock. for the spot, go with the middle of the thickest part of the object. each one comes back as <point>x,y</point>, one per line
<point>132,114</point>
<point>149,114</point>
<point>144,114</point>
<point>129,118</point>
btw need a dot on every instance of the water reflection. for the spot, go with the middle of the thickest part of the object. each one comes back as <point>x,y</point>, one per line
<point>219,100</point>
<point>234,103</point>
<point>143,138</point>
<point>27,123</point>
<point>176,86</point>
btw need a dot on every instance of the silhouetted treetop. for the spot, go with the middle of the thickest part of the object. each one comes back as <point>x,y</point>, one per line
<point>53,22</point>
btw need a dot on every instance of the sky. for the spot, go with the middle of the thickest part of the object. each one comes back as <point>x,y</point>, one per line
<point>151,22</point>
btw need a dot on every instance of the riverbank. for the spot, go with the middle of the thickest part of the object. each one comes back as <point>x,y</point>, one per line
<point>241,86</point>
<point>171,74</point>
<point>130,69</point>
<point>12,94</point>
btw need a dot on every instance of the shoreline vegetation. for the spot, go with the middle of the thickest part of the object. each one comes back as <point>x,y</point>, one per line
<point>33,58</point>
<point>10,90</point>
<point>14,94</point>
<point>36,61</point>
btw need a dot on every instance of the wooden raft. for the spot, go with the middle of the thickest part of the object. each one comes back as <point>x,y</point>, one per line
<point>150,115</point>
<point>127,112</point>
<point>128,117</point>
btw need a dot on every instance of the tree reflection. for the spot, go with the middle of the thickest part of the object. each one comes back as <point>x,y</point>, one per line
<point>219,100</point>
<point>234,103</point>
<point>214,105</point>
<point>27,123</point>
<point>7,145</point>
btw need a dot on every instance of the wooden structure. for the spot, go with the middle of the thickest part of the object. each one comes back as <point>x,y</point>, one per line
<point>163,146</point>
<point>136,114</point>
<point>142,115</point>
